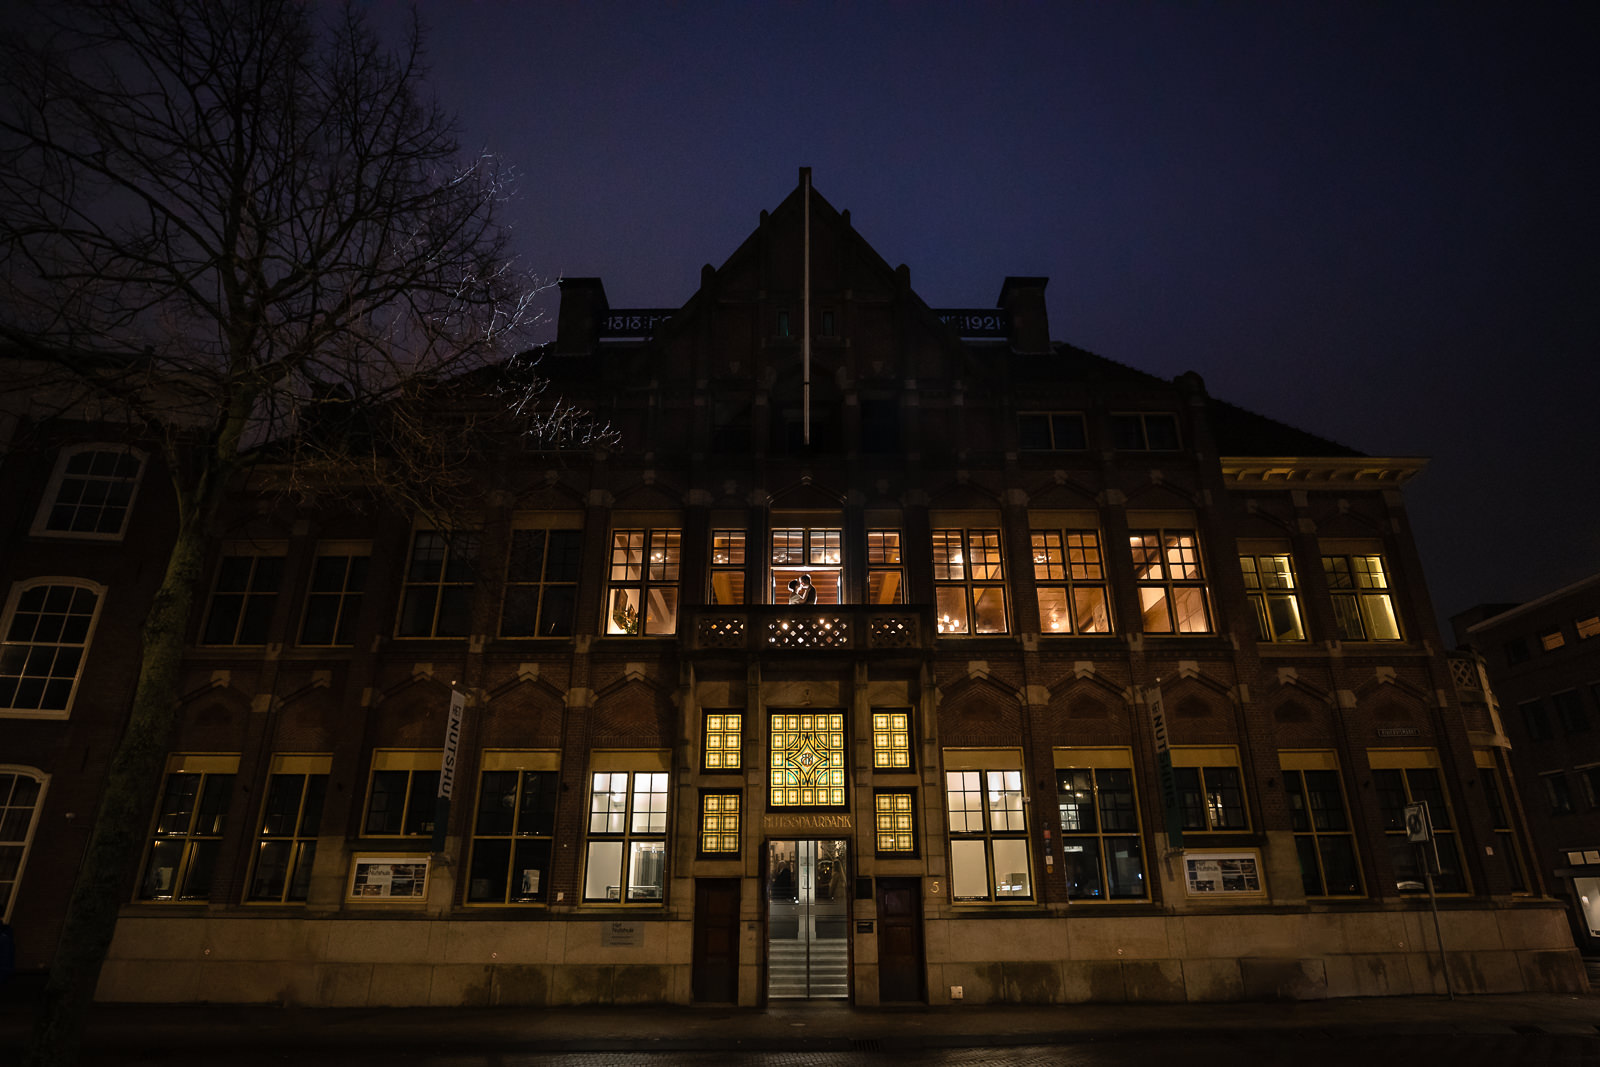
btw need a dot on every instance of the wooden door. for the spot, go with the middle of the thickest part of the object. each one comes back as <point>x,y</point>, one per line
<point>899,939</point>
<point>716,940</point>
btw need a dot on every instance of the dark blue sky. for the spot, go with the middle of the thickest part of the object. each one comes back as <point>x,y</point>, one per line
<point>1378,222</point>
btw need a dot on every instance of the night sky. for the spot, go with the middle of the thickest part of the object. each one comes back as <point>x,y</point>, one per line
<point>1377,222</point>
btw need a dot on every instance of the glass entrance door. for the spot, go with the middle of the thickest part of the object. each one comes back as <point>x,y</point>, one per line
<point>808,925</point>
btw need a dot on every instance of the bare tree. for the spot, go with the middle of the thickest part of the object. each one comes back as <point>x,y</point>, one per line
<point>250,235</point>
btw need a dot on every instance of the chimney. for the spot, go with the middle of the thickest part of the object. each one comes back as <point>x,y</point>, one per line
<point>1023,300</point>
<point>583,305</point>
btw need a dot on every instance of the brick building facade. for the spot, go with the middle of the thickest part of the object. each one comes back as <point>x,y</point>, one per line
<point>1105,689</point>
<point>1543,659</point>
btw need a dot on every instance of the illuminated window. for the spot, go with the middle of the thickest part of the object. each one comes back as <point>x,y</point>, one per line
<point>91,493</point>
<point>627,850</point>
<point>719,824</point>
<point>1145,432</point>
<point>1408,776</point>
<point>723,740</point>
<point>895,822</point>
<point>47,629</point>
<point>402,794</point>
<point>886,576</point>
<point>727,566</point>
<point>1069,573</point>
<point>807,764</point>
<point>21,800</point>
<point>541,594</point>
<point>1172,591</point>
<point>969,582</point>
<point>338,584</point>
<point>891,740</point>
<point>513,828</point>
<point>642,597</point>
<point>1552,640</point>
<point>988,833</point>
<point>817,551</point>
<point>286,840</point>
<point>187,839</point>
<point>243,597</point>
<point>436,598</point>
<point>1589,627</point>
<point>1362,605</point>
<point>1320,819</point>
<point>1507,846</point>
<point>1269,584</point>
<point>1099,815</point>
<point>1045,431</point>
<point>1210,790</point>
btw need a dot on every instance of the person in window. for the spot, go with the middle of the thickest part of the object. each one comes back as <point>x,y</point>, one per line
<point>794,592</point>
<point>808,592</point>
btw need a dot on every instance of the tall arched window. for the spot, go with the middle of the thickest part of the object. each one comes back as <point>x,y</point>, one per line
<point>21,800</point>
<point>44,639</point>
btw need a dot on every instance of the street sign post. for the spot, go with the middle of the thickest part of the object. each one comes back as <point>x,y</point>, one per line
<point>1419,831</point>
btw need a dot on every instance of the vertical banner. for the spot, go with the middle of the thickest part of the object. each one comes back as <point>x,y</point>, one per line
<point>1169,782</point>
<point>447,768</point>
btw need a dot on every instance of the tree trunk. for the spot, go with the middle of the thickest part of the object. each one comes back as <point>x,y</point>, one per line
<point>118,835</point>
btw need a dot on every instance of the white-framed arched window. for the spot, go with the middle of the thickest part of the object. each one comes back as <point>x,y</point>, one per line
<point>91,492</point>
<point>44,639</point>
<point>21,800</point>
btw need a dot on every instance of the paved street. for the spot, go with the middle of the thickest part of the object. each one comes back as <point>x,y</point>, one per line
<point>1546,1030</point>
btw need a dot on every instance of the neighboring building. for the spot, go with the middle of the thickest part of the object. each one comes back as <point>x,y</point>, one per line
<point>943,778</point>
<point>1543,659</point>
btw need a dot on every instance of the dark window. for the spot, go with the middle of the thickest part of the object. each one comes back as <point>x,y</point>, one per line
<point>1044,431</point>
<point>1397,787</point>
<point>541,583</point>
<point>512,832</point>
<point>880,425</point>
<point>1558,792</point>
<point>286,846</point>
<point>1535,720</point>
<point>1100,834</point>
<point>1145,432</point>
<point>242,600</point>
<point>437,595</point>
<point>1570,711</point>
<point>1516,651</point>
<point>1211,798</point>
<point>1322,836</point>
<point>337,585</point>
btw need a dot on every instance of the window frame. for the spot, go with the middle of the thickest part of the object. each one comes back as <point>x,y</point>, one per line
<point>1122,419</point>
<point>1404,761</point>
<point>780,786</point>
<point>980,767</point>
<point>23,845</point>
<point>50,500</point>
<point>1558,793</point>
<point>958,579</point>
<point>715,762</point>
<point>729,545</point>
<point>570,527</point>
<point>220,770</point>
<point>632,765</point>
<point>302,839</point>
<point>1209,762</point>
<point>1351,591</point>
<point>8,708</point>
<point>414,762</point>
<point>705,832</point>
<point>1067,581</point>
<point>655,579</point>
<point>1169,539</point>
<point>522,763</point>
<point>462,551</point>
<point>1501,823</point>
<point>902,820</point>
<point>886,561</point>
<point>818,541</point>
<point>1299,764</point>
<point>1094,761</point>
<point>347,601</point>
<point>1263,596</point>
<point>251,599</point>
<point>884,736</point>
<point>1050,427</point>
<point>1570,712</point>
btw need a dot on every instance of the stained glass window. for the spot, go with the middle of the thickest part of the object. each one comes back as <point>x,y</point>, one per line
<point>807,765</point>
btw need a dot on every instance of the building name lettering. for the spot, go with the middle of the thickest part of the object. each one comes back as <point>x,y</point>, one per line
<point>810,823</point>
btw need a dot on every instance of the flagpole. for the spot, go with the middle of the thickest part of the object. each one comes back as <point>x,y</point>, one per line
<point>805,304</point>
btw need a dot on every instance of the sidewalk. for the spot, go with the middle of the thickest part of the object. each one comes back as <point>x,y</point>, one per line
<point>817,1026</point>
